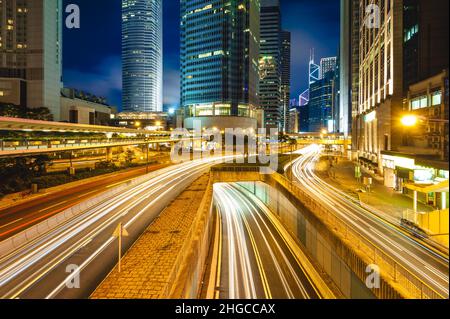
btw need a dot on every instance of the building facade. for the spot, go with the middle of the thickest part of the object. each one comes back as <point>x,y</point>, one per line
<point>349,69</point>
<point>376,123</point>
<point>303,111</point>
<point>327,65</point>
<point>336,111</point>
<point>400,123</point>
<point>142,55</point>
<point>320,104</point>
<point>285,78</point>
<point>150,121</point>
<point>31,53</point>
<point>294,121</point>
<point>219,61</point>
<point>270,95</point>
<point>80,107</point>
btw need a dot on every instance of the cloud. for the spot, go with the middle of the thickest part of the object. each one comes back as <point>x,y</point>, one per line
<point>105,79</point>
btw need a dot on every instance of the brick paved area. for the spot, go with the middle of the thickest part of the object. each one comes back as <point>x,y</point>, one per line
<point>147,265</point>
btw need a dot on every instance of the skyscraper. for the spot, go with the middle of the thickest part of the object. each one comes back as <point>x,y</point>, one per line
<point>426,45</point>
<point>348,68</point>
<point>320,104</point>
<point>31,53</point>
<point>394,56</point>
<point>314,69</point>
<point>285,77</point>
<point>142,56</point>
<point>270,64</point>
<point>327,65</point>
<point>219,62</point>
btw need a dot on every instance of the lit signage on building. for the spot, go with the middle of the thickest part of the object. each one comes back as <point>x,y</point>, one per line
<point>370,117</point>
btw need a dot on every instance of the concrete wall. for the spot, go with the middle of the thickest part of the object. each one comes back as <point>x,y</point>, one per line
<point>337,246</point>
<point>190,267</point>
<point>84,108</point>
<point>10,91</point>
<point>309,235</point>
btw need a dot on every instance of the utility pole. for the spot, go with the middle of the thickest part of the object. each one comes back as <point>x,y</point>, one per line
<point>146,163</point>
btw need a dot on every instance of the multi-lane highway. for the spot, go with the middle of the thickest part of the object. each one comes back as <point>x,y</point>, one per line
<point>17,218</point>
<point>255,260</point>
<point>420,260</point>
<point>43,267</point>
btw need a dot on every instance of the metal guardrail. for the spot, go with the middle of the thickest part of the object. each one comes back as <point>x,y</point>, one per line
<point>389,268</point>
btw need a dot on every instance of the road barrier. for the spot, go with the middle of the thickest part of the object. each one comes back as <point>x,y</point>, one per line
<point>185,279</point>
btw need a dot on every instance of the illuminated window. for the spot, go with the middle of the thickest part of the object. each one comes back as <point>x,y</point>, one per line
<point>436,98</point>
<point>411,32</point>
<point>419,102</point>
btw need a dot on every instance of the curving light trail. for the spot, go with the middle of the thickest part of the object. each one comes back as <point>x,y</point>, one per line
<point>30,264</point>
<point>258,260</point>
<point>424,263</point>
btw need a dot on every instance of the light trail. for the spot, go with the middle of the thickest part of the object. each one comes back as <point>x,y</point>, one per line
<point>416,258</point>
<point>255,251</point>
<point>30,264</point>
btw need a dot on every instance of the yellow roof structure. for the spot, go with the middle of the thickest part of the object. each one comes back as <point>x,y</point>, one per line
<point>429,188</point>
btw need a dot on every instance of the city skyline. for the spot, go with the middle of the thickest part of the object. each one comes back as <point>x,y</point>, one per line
<point>234,197</point>
<point>96,66</point>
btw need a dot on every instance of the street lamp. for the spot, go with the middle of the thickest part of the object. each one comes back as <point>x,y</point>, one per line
<point>409,120</point>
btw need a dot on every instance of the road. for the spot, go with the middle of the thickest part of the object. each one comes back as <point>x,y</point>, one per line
<point>41,268</point>
<point>429,266</point>
<point>255,261</point>
<point>15,219</point>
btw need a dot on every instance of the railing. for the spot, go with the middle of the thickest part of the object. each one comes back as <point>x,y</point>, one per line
<point>371,253</point>
<point>63,143</point>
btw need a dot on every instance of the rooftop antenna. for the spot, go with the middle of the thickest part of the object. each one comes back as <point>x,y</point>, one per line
<point>311,55</point>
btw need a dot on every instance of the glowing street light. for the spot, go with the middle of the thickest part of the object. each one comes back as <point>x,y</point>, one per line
<point>412,120</point>
<point>409,120</point>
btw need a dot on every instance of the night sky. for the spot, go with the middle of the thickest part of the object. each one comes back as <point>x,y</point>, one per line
<point>92,54</point>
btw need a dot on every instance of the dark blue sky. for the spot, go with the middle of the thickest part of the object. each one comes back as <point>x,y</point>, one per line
<point>92,53</point>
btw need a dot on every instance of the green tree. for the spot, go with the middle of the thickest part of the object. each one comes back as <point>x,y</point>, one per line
<point>40,113</point>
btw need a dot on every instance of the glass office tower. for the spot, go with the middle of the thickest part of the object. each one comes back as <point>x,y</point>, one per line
<point>270,64</point>
<point>219,58</point>
<point>142,56</point>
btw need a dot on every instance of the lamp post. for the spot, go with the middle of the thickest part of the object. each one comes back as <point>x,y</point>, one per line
<point>411,120</point>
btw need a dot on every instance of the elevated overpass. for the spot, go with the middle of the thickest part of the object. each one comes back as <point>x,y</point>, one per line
<point>321,138</point>
<point>19,124</point>
<point>41,145</point>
